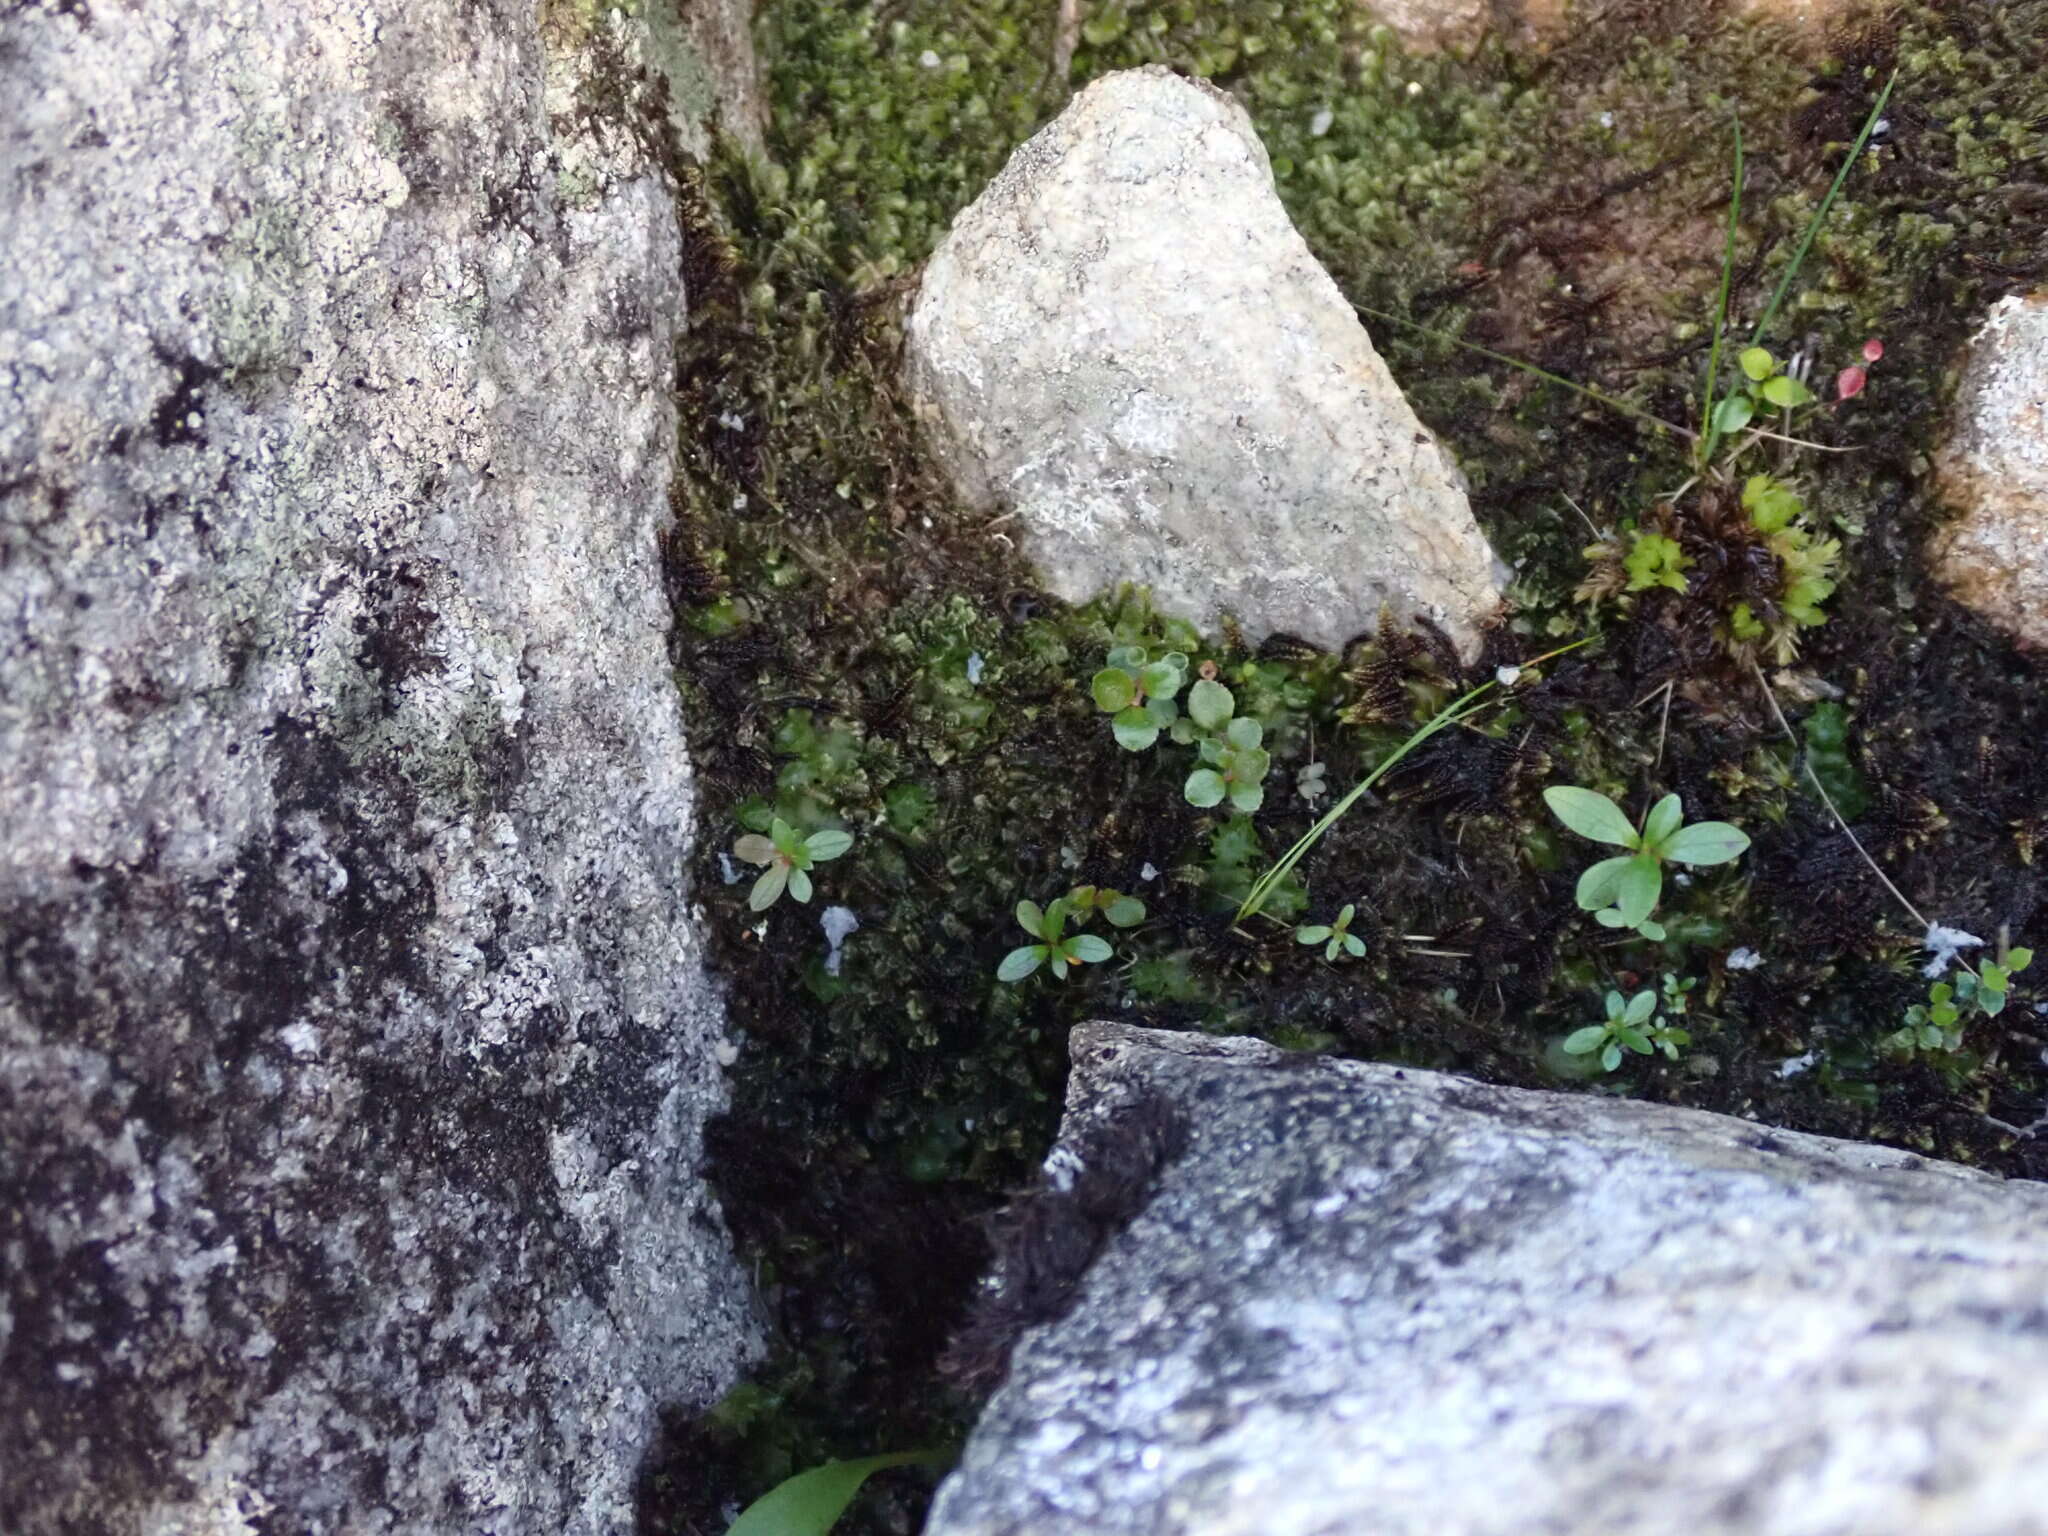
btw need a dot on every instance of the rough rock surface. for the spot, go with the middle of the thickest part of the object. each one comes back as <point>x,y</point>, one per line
<point>1126,342</point>
<point>354,1047</point>
<point>1370,1299</point>
<point>1993,467</point>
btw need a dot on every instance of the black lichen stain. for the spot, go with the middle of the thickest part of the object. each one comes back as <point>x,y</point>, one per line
<point>179,417</point>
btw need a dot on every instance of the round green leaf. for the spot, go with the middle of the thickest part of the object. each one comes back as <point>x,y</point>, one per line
<point>1651,929</point>
<point>754,848</point>
<point>1706,843</point>
<point>1251,763</point>
<point>1247,797</point>
<point>768,889</point>
<point>1640,1007</point>
<point>1641,883</point>
<point>1058,963</point>
<point>1609,917</point>
<point>1031,918</point>
<point>1019,963</point>
<point>1126,912</point>
<point>1786,392</point>
<point>1757,364</point>
<point>1113,689</point>
<point>1162,679</point>
<point>1134,729</point>
<point>1354,943</point>
<point>827,845</point>
<point>1665,818</point>
<point>1590,815</point>
<point>1315,933</point>
<point>1733,414</point>
<point>1610,1058</point>
<point>799,885</point>
<point>1088,949</point>
<point>1162,711</point>
<point>1205,787</point>
<point>1129,657</point>
<point>1597,886</point>
<point>1584,1042</point>
<point>1210,704</point>
<point>1244,733</point>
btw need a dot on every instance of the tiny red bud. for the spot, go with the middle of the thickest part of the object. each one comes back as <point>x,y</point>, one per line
<point>1873,349</point>
<point>1849,383</point>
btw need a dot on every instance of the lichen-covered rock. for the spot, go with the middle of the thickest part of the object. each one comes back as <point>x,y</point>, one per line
<point>1125,342</point>
<point>1993,467</point>
<point>354,1047</point>
<point>1370,1299</point>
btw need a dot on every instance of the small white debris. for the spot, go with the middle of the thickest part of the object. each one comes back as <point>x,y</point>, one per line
<point>1414,87</point>
<point>729,871</point>
<point>930,59</point>
<point>1606,119</point>
<point>1148,874</point>
<point>726,1053</point>
<point>1744,959</point>
<point>1507,677</point>
<point>1944,945</point>
<point>1061,1169</point>
<point>1308,783</point>
<point>837,922</point>
<point>1792,1066</point>
<point>739,502</point>
<point>732,421</point>
<point>974,666</point>
<point>1320,123</point>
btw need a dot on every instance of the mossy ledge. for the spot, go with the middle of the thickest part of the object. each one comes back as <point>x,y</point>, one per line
<point>858,650</point>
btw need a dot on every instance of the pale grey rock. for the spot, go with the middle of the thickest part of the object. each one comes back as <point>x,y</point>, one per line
<point>354,1044</point>
<point>1126,343</point>
<point>1367,1299</point>
<point>1993,468</point>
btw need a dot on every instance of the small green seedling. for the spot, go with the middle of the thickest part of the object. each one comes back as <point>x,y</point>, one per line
<point>1937,1024</point>
<point>1340,939</point>
<point>1235,762</point>
<point>789,858</point>
<point>1675,989</point>
<point>1054,949</point>
<point>1624,1028</point>
<point>1766,386</point>
<point>1084,901</point>
<point>1622,892</point>
<point>1138,695</point>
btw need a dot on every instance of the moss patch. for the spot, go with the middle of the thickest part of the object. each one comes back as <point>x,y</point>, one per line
<point>859,651</point>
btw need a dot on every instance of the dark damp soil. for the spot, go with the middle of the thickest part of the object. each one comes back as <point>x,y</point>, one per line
<point>856,649</point>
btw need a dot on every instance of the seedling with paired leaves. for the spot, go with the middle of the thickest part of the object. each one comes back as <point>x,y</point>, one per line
<point>1234,760</point>
<point>1622,892</point>
<point>1628,1026</point>
<point>1937,1024</point>
<point>1055,949</point>
<point>1138,695</point>
<point>1122,911</point>
<point>790,859</point>
<point>1337,938</point>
